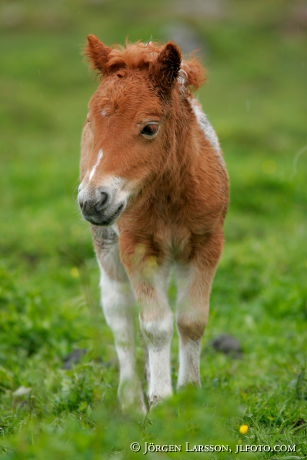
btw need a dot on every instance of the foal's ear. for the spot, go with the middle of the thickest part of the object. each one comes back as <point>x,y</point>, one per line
<point>166,68</point>
<point>98,53</point>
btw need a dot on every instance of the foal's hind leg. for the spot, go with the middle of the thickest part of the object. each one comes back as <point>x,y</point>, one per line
<point>194,288</point>
<point>117,303</point>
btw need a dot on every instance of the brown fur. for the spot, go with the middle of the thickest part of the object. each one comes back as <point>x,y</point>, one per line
<point>190,186</point>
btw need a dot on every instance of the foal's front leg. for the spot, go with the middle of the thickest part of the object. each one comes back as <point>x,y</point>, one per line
<point>156,320</point>
<point>118,302</point>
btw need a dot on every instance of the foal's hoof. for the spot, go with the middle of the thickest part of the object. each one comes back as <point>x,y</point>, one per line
<point>137,408</point>
<point>155,400</point>
<point>131,398</point>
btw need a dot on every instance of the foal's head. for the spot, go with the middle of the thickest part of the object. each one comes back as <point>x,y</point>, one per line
<point>129,125</point>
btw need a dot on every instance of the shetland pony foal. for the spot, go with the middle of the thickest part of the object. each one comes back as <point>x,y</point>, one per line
<point>155,189</point>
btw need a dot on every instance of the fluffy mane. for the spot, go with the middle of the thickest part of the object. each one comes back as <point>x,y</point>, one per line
<point>141,56</point>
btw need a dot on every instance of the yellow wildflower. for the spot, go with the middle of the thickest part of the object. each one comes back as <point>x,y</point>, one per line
<point>75,273</point>
<point>244,429</point>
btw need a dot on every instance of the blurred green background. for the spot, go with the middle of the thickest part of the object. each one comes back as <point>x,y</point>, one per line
<point>256,56</point>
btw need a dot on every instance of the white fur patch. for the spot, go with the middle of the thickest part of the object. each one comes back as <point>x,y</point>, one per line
<point>205,125</point>
<point>105,113</point>
<point>117,184</point>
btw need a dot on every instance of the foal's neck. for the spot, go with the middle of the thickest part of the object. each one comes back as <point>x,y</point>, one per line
<point>182,138</point>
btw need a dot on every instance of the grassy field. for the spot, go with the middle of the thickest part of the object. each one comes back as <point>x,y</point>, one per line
<point>58,370</point>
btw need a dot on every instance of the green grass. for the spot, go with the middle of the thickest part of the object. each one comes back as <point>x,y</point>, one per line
<point>49,299</point>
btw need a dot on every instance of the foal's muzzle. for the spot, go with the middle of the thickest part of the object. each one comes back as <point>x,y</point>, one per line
<point>99,206</point>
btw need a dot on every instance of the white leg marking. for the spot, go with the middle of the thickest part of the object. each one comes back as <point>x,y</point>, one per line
<point>118,301</point>
<point>189,359</point>
<point>193,308</point>
<point>158,336</point>
<point>156,322</point>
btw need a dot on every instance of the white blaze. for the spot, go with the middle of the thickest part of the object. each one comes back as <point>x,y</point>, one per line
<point>94,168</point>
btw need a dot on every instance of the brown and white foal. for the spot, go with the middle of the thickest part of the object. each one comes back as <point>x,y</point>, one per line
<point>155,189</point>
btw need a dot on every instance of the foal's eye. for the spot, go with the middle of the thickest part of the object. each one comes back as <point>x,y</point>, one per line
<point>150,130</point>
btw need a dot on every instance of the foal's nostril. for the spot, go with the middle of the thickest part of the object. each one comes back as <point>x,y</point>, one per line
<point>86,206</point>
<point>102,200</point>
<point>81,203</point>
<point>104,197</point>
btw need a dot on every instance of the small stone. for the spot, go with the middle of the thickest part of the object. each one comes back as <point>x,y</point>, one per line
<point>228,345</point>
<point>22,391</point>
<point>73,358</point>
